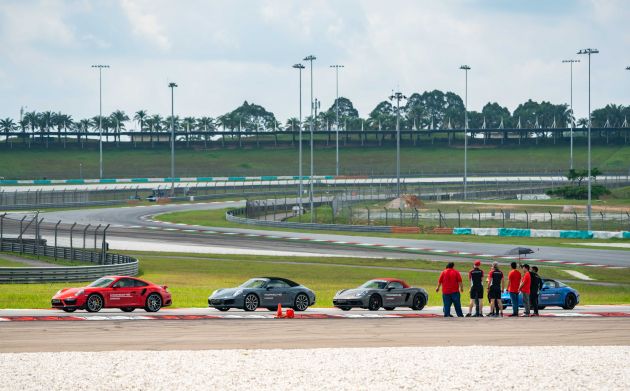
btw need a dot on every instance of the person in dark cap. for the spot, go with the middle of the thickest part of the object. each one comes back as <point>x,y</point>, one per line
<point>496,284</point>
<point>534,290</point>
<point>475,276</point>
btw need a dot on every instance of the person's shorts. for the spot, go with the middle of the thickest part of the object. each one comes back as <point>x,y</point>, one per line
<point>494,293</point>
<point>476,292</point>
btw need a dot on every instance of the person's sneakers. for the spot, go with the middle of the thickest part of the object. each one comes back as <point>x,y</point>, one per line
<point>525,316</point>
<point>511,315</point>
<point>468,315</point>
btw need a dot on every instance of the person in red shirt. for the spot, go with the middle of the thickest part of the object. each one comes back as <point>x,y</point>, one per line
<point>525,288</point>
<point>514,279</point>
<point>451,282</point>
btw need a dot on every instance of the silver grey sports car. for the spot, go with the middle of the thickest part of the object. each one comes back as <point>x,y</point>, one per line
<point>388,293</point>
<point>266,292</point>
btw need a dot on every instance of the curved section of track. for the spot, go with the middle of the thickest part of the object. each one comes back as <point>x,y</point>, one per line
<point>134,224</point>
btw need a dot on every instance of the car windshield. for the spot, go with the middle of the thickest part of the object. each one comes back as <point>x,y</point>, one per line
<point>374,284</point>
<point>254,283</point>
<point>561,285</point>
<point>101,282</point>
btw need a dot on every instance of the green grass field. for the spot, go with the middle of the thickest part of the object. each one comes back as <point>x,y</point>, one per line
<point>122,163</point>
<point>192,277</point>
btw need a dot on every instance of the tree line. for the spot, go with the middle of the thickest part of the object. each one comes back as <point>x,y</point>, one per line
<point>428,110</point>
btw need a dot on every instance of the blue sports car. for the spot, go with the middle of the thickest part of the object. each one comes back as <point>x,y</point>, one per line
<point>553,293</point>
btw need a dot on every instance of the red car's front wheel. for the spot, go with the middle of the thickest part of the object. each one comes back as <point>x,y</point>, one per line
<point>94,303</point>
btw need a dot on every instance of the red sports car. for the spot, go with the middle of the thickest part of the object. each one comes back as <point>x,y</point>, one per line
<point>126,293</point>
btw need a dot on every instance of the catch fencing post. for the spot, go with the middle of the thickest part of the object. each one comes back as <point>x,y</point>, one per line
<point>479,214</point>
<point>368,217</point>
<point>84,233</point>
<point>550,219</point>
<point>527,219</point>
<point>459,218</point>
<point>95,234</point>
<point>576,220</point>
<point>503,217</point>
<point>386,216</point>
<point>21,233</point>
<point>71,247</point>
<point>400,217</point>
<point>56,226</point>
<point>603,222</point>
<point>104,246</point>
<point>2,229</point>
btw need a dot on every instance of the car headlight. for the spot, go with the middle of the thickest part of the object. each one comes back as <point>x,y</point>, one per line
<point>79,293</point>
<point>360,294</point>
<point>238,292</point>
<point>58,292</point>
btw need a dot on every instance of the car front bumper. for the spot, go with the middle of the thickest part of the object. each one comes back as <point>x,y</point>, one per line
<point>350,302</point>
<point>68,302</point>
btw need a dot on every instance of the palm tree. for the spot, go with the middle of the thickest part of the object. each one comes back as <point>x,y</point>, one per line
<point>45,121</point>
<point>156,125</point>
<point>62,121</point>
<point>31,119</point>
<point>83,126</point>
<point>206,124</point>
<point>118,118</point>
<point>188,122</point>
<point>7,125</point>
<point>140,117</point>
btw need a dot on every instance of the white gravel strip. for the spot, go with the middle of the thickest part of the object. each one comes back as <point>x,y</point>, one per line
<point>417,368</point>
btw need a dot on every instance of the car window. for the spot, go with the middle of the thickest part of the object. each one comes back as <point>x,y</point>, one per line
<point>254,283</point>
<point>124,283</point>
<point>101,283</point>
<point>395,285</point>
<point>549,284</point>
<point>139,283</point>
<point>375,284</point>
<point>560,284</point>
<point>277,284</point>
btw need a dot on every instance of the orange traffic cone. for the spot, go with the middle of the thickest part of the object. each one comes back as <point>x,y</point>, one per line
<point>279,312</point>
<point>290,313</point>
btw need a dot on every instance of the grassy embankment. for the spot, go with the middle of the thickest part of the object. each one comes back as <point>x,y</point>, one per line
<point>123,163</point>
<point>191,278</point>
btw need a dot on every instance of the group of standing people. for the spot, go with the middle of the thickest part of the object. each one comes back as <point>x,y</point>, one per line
<point>528,284</point>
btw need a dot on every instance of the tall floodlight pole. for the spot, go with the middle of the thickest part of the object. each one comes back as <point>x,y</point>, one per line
<point>310,58</point>
<point>299,67</point>
<point>172,87</point>
<point>336,67</point>
<point>590,201</point>
<point>466,68</point>
<point>100,117</point>
<point>397,96</point>
<point>571,61</point>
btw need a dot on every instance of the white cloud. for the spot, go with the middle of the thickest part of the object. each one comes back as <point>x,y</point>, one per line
<point>145,23</point>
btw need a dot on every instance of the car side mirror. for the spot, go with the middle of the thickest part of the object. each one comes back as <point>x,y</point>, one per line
<point>269,288</point>
<point>390,288</point>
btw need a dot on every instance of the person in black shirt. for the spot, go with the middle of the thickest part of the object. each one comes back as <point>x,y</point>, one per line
<point>476,290</point>
<point>535,288</point>
<point>496,284</point>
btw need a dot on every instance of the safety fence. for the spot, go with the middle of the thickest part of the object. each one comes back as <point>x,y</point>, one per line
<point>359,211</point>
<point>83,245</point>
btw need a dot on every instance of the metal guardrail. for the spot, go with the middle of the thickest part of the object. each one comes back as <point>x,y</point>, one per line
<point>233,216</point>
<point>105,264</point>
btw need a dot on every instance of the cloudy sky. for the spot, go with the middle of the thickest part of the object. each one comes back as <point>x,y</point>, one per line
<point>222,52</point>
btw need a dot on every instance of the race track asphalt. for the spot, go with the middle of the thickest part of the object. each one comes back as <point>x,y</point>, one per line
<point>309,333</point>
<point>132,223</point>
